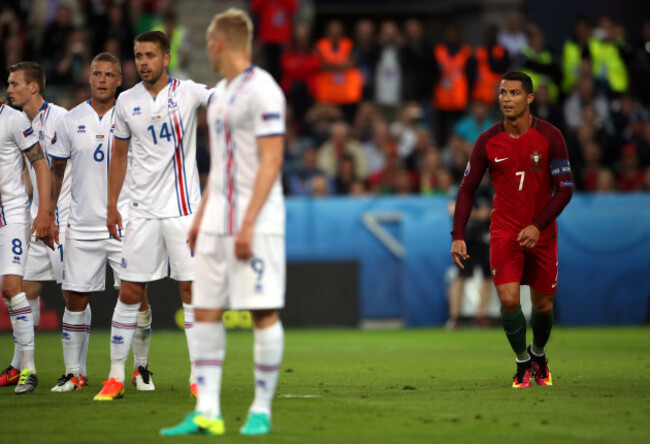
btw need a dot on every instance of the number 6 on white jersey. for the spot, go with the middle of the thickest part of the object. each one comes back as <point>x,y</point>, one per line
<point>521,180</point>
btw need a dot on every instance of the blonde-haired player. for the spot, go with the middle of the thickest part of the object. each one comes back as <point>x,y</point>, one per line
<point>240,251</point>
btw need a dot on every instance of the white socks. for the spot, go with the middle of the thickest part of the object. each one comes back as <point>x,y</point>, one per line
<point>267,353</point>
<point>209,347</point>
<point>83,356</point>
<point>188,316</point>
<point>35,305</point>
<point>73,338</point>
<point>125,318</point>
<point>142,339</point>
<point>22,322</point>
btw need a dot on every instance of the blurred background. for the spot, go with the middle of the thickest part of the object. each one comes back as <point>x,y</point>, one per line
<point>385,100</point>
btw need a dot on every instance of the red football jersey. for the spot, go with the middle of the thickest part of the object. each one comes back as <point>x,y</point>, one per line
<point>531,176</point>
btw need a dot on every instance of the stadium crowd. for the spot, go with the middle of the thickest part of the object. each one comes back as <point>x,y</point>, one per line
<point>379,108</point>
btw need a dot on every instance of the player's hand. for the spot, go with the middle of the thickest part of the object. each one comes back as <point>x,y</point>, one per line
<point>244,243</point>
<point>113,220</point>
<point>528,237</point>
<point>458,252</point>
<point>43,230</point>
<point>54,230</point>
<point>193,234</point>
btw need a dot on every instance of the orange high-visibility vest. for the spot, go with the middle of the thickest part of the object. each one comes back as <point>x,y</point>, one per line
<point>337,87</point>
<point>452,90</point>
<point>487,82</point>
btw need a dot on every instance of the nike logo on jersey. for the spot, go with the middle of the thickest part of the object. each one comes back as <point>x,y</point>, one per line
<point>497,160</point>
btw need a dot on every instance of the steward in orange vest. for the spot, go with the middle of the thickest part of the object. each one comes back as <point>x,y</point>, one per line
<point>491,63</point>
<point>451,92</point>
<point>339,82</point>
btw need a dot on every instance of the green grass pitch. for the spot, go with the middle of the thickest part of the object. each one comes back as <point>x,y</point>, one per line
<point>345,386</point>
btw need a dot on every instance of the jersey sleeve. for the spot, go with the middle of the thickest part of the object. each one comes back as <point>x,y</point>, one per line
<point>268,111</point>
<point>201,93</point>
<point>52,135</point>
<point>61,149</point>
<point>22,132</point>
<point>562,179</point>
<point>122,130</point>
<point>476,167</point>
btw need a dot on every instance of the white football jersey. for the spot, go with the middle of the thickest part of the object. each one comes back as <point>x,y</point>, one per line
<point>87,140</point>
<point>164,178</point>
<point>45,124</point>
<point>16,136</point>
<point>250,106</point>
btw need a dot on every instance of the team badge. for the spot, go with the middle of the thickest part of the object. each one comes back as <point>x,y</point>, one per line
<point>467,169</point>
<point>137,111</point>
<point>536,160</point>
<point>171,104</point>
<point>123,263</point>
<point>81,129</point>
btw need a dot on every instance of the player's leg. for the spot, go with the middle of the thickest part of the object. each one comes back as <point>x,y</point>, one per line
<point>143,260</point>
<point>456,289</point>
<point>142,377</point>
<point>208,344</point>
<point>73,338</point>
<point>259,285</point>
<point>483,257</point>
<point>181,264</point>
<point>14,245</point>
<point>32,290</point>
<point>507,264</point>
<point>542,265</point>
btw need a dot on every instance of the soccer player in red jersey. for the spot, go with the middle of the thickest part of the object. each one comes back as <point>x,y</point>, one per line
<point>529,167</point>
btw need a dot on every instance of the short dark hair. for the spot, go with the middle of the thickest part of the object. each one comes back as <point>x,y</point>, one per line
<point>526,81</point>
<point>158,37</point>
<point>108,57</point>
<point>33,73</point>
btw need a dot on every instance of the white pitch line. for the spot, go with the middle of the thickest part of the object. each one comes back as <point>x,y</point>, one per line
<point>300,396</point>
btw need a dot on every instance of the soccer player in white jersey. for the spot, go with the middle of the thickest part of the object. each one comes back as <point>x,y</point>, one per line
<point>26,85</point>
<point>240,251</point>
<point>156,121</point>
<point>17,137</point>
<point>85,142</point>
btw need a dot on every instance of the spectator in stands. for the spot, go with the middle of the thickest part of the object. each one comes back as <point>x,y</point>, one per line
<point>388,72</point>
<point>339,82</point>
<point>404,183</point>
<point>320,185</point>
<point>377,150</point>
<point>609,66</point>
<point>424,142</point>
<point>537,61</point>
<point>582,46</point>
<point>585,94</point>
<point>512,37</point>
<point>358,188</point>
<point>640,69</point>
<point>587,177</point>
<point>180,44</point>
<point>646,179</point>
<point>455,156</point>
<point>642,142</point>
<point>492,62</point>
<point>338,145</point>
<point>605,182</point>
<point>73,66</point>
<point>457,70</point>
<point>346,176</point>
<point>431,163</point>
<point>630,175</point>
<point>365,54</point>
<point>544,109</point>
<point>118,29</point>
<point>474,123</point>
<point>627,119</point>
<point>300,64</point>
<point>299,181</point>
<point>11,52</point>
<point>318,121</point>
<point>364,121</point>
<point>405,130</point>
<point>274,27</point>
<point>384,180</point>
<point>418,68</point>
<point>55,45</point>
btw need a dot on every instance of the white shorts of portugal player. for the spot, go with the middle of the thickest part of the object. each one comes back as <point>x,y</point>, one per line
<point>151,245</point>
<point>84,264</point>
<point>44,264</point>
<point>14,246</point>
<point>224,282</point>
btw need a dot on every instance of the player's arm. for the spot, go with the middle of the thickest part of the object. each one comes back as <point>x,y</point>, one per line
<point>198,216</point>
<point>116,175</point>
<point>57,173</point>
<point>41,224</point>
<point>562,179</point>
<point>465,199</point>
<point>270,150</point>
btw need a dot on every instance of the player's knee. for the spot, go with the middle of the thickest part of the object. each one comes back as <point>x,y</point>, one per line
<point>76,301</point>
<point>543,307</point>
<point>132,292</point>
<point>185,289</point>
<point>11,287</point>
<point>509,303</point>
<point>264,318</point>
